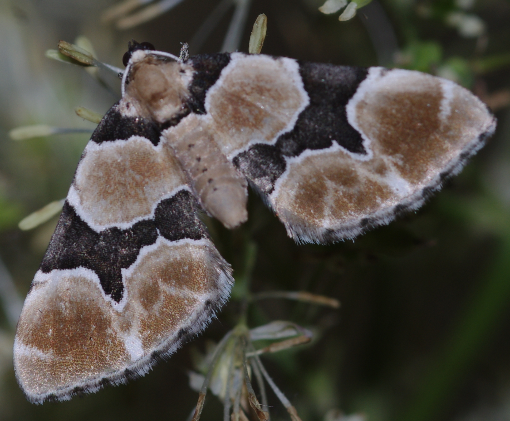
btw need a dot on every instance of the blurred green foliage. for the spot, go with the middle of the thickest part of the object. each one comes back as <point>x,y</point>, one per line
<point>422,331</point>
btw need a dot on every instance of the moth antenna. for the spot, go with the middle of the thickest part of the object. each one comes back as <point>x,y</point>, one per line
<point>184,54</point>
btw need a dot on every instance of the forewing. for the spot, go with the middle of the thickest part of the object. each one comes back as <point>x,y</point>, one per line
<point>129,274</point>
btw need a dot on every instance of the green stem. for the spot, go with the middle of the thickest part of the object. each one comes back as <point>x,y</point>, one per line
<point>241,289</point>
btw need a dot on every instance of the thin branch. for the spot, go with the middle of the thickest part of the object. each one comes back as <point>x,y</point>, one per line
<point>279,346</point>
<point>298,296</point>
<point>261,386</point>
<point>283,399</point>
<point>207,380</point>
<point>227,402</point>
<point>237,400</point>
<point>121,9</point>
<point>147,13</point>
<point>11,301</point>
<point>209,24</point>
<point>252,398</point>
<point>235,30</point>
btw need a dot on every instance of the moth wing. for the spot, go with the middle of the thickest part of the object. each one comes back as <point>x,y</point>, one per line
<point>353,147</point>
<point>129,274</point>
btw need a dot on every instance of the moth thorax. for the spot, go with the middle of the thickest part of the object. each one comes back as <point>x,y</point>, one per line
<point>222,190</point>
<point>159,88</point>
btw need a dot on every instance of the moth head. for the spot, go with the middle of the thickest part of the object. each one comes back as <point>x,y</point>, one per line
<point>134,46</point>
<point>156,84</point>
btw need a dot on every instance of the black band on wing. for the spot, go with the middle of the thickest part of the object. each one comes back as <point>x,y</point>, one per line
<point>74,244</point>
<point>262,165</point>
<point>177,218</point>
<point>207,68</point>
<point>115,126</point>
<point>329,88</point>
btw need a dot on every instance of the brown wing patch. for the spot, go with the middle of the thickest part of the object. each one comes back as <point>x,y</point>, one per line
<point>328,189</point>
<point>119,182</point>
<point>166,288</point>
<point>404,119</point>
<point>66,335</point>
<point>256,98</point>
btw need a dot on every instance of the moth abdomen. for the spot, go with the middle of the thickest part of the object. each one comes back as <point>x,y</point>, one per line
<point>221,189</point>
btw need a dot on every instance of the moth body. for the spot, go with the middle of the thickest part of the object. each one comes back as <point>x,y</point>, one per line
<point>131,273</point>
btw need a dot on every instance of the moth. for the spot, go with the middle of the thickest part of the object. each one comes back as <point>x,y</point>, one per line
<point>131,272</point>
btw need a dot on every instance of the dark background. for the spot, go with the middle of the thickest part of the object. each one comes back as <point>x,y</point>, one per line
<point>422,333</point>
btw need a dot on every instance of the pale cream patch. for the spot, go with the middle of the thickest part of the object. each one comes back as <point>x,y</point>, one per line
<point>70,336</point>
<point>118,183</point>
<point>69,325</point>
<point>256,99</point>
